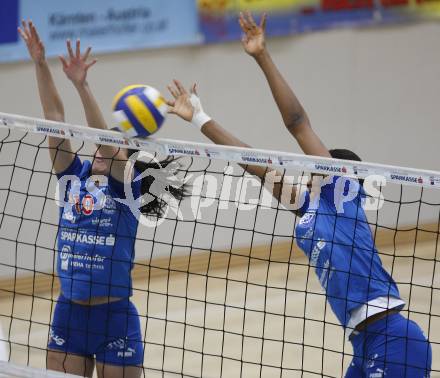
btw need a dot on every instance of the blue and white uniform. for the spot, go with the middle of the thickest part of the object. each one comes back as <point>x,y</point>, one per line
<point>96,240</point>
<point>335,235</point>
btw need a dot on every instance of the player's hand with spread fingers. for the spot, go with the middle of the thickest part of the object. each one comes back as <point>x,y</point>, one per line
<point>254,41</point>
<point>181,105</point>
<point>33,42</point>
<point>187,105</point>
<point>77,65</point>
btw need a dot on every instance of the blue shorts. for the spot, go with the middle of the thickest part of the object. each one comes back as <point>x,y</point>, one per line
<point>110,332</point>
<point>392,347</point>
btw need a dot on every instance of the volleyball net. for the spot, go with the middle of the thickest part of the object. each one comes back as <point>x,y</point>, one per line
<point>219,283</point>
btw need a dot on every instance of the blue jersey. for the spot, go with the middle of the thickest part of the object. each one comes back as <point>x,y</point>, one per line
<point>96,236</point>
<point>337,239</point>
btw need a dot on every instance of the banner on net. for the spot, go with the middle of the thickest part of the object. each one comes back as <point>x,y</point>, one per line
<point>106,25</point>
<point>218,18</point>
<point>240,155</point>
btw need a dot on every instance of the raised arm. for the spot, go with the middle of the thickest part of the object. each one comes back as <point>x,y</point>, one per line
<point>60,149</point>
<point>76,68</point>
<point>294,116</point>
<point>187,106</point>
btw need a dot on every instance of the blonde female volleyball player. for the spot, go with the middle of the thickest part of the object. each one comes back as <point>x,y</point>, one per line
<point>339,244</point>
<point>94,317</point>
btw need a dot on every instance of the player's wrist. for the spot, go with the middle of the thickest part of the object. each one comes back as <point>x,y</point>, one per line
<point>199,117</point>
<point>81,85</point>
<point>41,62</point>
<point>261,56</point>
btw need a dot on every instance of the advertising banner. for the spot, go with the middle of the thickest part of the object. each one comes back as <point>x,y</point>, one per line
<point>218,18</point>
<point>106,25</point>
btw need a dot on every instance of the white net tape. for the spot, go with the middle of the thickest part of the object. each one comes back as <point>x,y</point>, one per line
<point>314,164</point>
<point>8,370</point>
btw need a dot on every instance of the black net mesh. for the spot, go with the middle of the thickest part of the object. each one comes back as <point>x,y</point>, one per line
<point>219,284</point>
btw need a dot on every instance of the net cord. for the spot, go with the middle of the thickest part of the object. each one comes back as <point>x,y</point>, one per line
<point>241,155</point>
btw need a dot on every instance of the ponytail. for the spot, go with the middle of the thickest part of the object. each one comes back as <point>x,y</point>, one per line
<point>156,206</point>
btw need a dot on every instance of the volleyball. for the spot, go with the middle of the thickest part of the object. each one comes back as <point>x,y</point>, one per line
<point>139,110</point>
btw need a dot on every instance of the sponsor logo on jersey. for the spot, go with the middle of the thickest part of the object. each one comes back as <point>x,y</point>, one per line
<point>379,373</point>
<point>110,205</point>
<point>307,236</point>
<point>326,274</point>
<point>85,206</point>
<point>127,353</point>
<point>323,278</point>
<point>316,252</point>
<point>66,252</point>
<point>372,361</point>
<point>307,217</point>
<point>121,346</point>
<point>68,215</point>
<point>88,203</point>
<point>116,344</point>
<point>57,339</point>
<point>80,260</point>
<point>84,238</point>
<point>102,222</point>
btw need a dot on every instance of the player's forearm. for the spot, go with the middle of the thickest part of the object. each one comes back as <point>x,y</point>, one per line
<point>94,115</point>
<point>53,110</point>
<point>290,108</point>
<point>271,178</point>
<point>96,120</point>
<point>50,99</point>
<point>219,135</point>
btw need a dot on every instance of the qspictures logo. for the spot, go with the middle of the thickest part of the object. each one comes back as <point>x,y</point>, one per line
<point>8,21</point>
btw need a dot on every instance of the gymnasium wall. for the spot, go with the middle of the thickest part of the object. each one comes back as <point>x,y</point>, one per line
<point>375,91</point>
